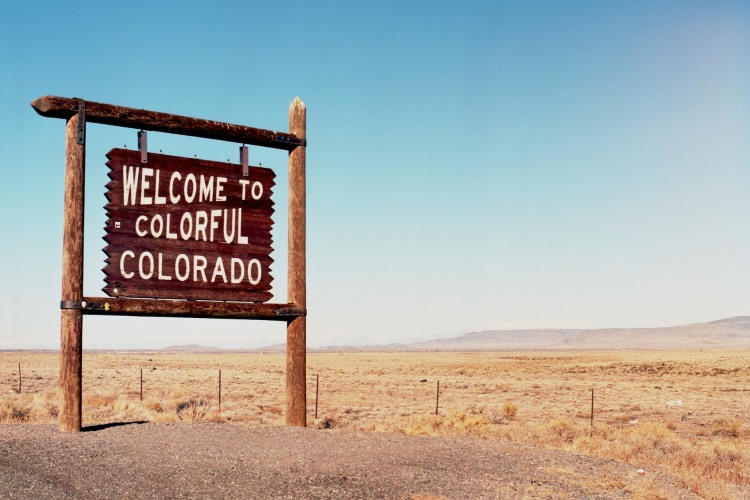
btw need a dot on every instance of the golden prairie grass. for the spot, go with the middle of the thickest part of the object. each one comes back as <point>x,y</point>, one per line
<point>685,413</point>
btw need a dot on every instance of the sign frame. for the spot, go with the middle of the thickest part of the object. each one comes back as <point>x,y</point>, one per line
<point>77,112</point>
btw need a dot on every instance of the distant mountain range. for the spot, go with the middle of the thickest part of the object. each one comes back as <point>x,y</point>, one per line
<point>730,333</point>
<point>192,348</point>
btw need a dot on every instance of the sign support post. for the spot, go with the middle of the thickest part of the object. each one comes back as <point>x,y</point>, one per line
<point>71,322</point>
<point>296,330</point>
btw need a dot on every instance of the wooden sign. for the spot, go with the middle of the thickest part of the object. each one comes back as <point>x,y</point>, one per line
<point>178,229</point>
<point>184,228</point>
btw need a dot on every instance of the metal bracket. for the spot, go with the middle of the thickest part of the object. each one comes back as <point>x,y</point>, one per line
<point>84,306</point>
<point>143,145</point>
<point>96,306</point>
<point>72,304</point>
<point>244,160</point>
<point>81,135</point>
<point>291,311</point>
<point>290,140</point>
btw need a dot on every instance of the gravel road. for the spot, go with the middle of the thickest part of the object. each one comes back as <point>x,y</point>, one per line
<point>146,460</point>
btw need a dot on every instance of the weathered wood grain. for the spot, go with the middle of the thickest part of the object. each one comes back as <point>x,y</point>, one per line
<point>189,309</point>
<point>120,116</point>
<point>296,346</point>
<point>71,321</point>
<point>239,213</point>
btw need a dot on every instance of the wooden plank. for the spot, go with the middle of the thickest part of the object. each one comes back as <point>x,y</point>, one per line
<point>71,320</point>
<point>189,309</point>
<point>296,336</point>
<point>120,116</point>
<point>152,253</point>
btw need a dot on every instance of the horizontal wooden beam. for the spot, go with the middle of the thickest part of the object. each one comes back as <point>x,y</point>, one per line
<point>186,308</point>
<point>120,116</point>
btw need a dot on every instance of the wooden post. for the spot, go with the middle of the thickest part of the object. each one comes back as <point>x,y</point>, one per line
<point>592,406</point>
<point>437,398</point>
<point>317,384</point>
<point>19,378</point>
<point>71,321</point>
<point>141,385</point>
<point>219,390</point>
<point>296,330</point>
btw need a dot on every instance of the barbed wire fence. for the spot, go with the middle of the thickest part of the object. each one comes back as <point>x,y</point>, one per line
<point>333,400</point>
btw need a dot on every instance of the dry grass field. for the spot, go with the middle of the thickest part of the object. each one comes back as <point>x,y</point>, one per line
<point>687,413</point>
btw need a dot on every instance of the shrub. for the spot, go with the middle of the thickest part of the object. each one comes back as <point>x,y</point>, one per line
<point>194,409</point>
<point>327,423</point>
<point>13,413</point>
<point>155,406</point>
<point>726,428</point>
<point>509,410</point>
<point>562,431</point>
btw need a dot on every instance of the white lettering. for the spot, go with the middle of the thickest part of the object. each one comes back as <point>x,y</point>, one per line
<point>182,257</point>
<point>169,234</point>
<point>125,274</point>
<point>154,232</point>
<point>219,270</point>
<point>234,263</point>
<point>257,190</point>
<point>174,198</point>
<point>201,222</point>
<point>254,280</point>
<point>244,183</point>
<point>157,266</point>
<point>207,189</point>
<point>214,222</point>
<point>150,257</point>
<point>229,237</point>
<point>145,172</point>
<point>158,200</point>
<point>242,240</point>
<point>220,188</point>
<point>129,183</point>
<point>185,233</point>
<point>138,230</point>
<point>162,277</point>
<point>190,179</point>
<point>199,266</point>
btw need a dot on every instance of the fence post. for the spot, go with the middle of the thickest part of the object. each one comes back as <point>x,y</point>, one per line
<point>19,378</point>
<point>437,398</point>
<point>141,385</point>
<point>592,406</point>
<point>317,384</point>
<point>219,390</point>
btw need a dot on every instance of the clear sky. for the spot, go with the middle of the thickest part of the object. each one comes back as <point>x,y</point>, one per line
<point>471,165</point>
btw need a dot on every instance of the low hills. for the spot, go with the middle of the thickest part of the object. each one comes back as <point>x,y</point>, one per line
<point>729,333</point>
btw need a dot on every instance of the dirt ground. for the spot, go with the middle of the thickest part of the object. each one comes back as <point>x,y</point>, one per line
<point>205,460</point>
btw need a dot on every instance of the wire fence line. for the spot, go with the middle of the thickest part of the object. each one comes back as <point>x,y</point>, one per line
<point>343,397</point>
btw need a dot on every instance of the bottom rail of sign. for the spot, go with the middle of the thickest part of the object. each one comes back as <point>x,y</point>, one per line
<point>186,308</point>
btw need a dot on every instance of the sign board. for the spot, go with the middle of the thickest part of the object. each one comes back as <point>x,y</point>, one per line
<point>184,228</point>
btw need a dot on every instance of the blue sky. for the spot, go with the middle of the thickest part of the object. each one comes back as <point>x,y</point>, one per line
<point>471,165</point>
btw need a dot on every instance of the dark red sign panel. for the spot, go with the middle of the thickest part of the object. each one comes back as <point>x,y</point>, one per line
<point>183,228</point>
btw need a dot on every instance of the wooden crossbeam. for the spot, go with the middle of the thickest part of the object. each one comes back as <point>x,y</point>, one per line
<point>107,306</point>
<point>120,116</point>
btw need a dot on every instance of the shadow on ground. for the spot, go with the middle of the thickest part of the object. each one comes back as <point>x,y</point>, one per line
<point>101,427</point>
